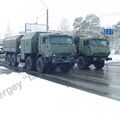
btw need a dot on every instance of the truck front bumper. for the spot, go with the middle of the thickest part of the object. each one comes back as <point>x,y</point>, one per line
<point>100,58</point>
<point>108,59</point>
<point>62,60</point>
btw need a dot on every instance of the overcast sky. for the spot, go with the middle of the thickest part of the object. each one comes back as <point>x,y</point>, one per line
<point>18,12</point>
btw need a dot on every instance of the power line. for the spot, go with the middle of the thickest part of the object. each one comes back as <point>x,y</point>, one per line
<point>43,4</point>
<point>108,14</point>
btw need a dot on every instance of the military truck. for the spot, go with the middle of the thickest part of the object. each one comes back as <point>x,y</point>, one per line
<point>41,51</point>
<point>91,50</point>
<point>11,48</point>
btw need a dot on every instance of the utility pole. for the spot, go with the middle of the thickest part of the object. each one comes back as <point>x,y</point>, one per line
<point>47,26</point>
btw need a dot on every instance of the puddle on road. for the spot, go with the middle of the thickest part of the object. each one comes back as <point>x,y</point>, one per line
<point>109,72</point>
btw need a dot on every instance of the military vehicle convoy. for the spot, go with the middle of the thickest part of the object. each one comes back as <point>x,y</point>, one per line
<point>91,50</point>
<point>42,51</point>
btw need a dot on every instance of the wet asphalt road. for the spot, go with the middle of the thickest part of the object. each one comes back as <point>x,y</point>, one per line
<point>105,82</point>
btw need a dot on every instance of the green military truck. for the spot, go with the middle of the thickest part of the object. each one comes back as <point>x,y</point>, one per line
<point>91,50</point>
<point>11,48</point>
<point>40,51</point>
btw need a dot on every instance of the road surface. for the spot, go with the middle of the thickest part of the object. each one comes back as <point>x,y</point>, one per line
<point>105,82</point>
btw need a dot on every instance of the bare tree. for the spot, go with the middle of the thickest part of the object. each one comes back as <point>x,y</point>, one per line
<point>64,26</point>
<point>8,31</point>
<point>89,25</point>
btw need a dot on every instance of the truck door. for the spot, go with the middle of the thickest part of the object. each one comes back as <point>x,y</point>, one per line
<point>45,46</point>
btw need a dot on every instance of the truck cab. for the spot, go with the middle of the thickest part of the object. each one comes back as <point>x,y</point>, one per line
<point>55,50</point>
<point>92,51</point>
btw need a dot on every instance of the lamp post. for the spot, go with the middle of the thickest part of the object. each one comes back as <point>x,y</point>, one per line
<point>47,27</point>
<point>47,17</point>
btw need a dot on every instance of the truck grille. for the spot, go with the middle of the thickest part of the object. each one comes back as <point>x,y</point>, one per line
<point>99,54</point>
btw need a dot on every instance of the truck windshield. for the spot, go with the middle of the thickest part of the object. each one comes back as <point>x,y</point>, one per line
<point>98,42</point>
<point>60,40</point>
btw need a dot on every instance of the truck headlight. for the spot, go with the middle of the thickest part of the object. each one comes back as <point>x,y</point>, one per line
<point>54,55</point>
<point>73,55</point>
<point>94,59</point>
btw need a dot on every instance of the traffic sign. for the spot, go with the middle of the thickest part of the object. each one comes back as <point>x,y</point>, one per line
<point>108,31</point>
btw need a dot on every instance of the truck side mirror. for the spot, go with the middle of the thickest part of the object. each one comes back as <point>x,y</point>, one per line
<point>44,40</point>
<point>86,43</point>
<point>76,40</point>
<point>107,43</point>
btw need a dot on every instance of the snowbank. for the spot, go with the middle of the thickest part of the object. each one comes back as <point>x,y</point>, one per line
<point>40,99</point>
<point>115,58</point>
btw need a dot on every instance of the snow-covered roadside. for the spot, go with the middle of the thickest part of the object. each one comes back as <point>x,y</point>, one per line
<point>115,57</point>
<point>39,99</point>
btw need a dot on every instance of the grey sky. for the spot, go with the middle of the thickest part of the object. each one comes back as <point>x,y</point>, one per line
<point>17,12</point>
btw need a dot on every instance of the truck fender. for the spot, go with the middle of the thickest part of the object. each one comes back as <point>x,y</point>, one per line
<point>40,54</point>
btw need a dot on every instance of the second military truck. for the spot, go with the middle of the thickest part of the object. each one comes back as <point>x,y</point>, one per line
<point>40,51</point>
<point>91,50</point>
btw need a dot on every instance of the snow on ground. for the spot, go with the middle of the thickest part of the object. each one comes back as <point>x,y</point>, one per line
<point>25,97</point>
<point>115,57</point>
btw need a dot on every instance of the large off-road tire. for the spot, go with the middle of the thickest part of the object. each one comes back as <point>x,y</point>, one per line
<point>14,60</point>
<point>82,63</point>
<point>66,68</point>
<point>29,63</point>
<point>9,60</point>
<point>99,64</point>
<point>40,65</point>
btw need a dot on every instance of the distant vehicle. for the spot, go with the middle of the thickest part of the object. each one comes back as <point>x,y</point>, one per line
<point>91,50</point>
<point>41,51</point>
<point>1,49</point>
<point>117,52</point>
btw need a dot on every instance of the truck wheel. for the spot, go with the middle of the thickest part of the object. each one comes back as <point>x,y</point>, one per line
<point>66,68</point>
<point>82,63</point>
<point>29,63</point>
<point>9,60</point>
<point>40,65</point>
<point>14,60</point>
<point>99,64</point>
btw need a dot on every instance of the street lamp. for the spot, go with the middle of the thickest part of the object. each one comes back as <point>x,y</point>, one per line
<point>47,27</point>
